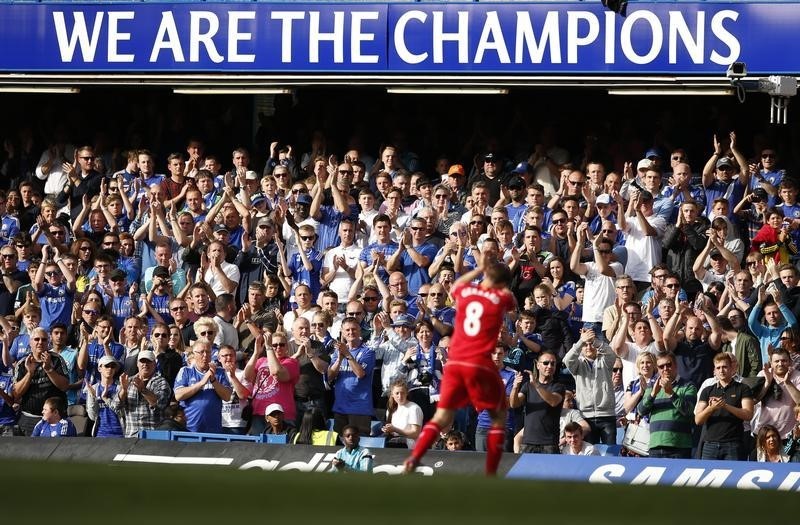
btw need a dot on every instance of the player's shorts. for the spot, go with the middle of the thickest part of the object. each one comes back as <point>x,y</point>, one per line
<point>470,382</point>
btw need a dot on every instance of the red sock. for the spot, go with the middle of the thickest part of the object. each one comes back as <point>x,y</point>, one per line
<point>495,443</point>
<point>429,434</point>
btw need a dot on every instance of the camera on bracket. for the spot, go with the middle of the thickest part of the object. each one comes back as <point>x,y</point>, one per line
<point>737,70</point>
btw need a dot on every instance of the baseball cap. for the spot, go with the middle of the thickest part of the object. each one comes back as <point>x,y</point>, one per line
<point>106,360</point>
<point>490,157</point>
<point>304,199</point>
<point>759,194</point>
<point>515,182</point>
<point>714,253</point>
<point>603,198</point>
<point>724,161</point>
<point>273,407</point>
<point>653,152</point>
<point>118,275</point>
<point>522,167</point>
<point>456,169</point>
<point>644,164</point>
<point>257,199</point>
<point>146,354</point>
<point>403,320</point>
<point>221,228</point>
<point>160,271</point>
<point>251,175</point>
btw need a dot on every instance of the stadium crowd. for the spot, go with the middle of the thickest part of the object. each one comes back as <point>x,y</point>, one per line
<point>660,300</point>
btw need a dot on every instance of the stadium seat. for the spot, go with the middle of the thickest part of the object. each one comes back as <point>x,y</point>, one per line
<point>620,435</point>
<point>601,449</point>
<point>612,450</point>
<point>372,442</point>
<point>375,428</point>
<point>275,439</point>
<point>77,414</point>
<point>161,435</point>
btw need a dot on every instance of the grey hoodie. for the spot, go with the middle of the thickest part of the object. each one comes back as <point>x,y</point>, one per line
<point>594,390</point>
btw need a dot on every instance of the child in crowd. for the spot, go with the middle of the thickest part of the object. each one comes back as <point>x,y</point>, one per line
<point>52,424</point>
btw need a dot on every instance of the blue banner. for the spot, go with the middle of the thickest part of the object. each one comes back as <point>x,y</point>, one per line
<point>412,38</point>
<point>643,471</point>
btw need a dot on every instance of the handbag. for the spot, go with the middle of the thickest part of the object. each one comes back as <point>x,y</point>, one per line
<point>637,439</point>
<point>247,410</point>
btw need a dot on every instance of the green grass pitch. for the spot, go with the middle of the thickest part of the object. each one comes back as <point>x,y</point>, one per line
<point>38,492</point>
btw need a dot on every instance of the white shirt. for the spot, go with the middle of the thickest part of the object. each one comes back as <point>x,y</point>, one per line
<point>644,252</point>
<point>408,414</point>
<point>342,282</point>
<point>226,333</point>
<point>599,292</point>
<point>231,272</point>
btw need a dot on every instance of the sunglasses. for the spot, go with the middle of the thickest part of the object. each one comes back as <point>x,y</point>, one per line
<point>7,255</point>
<point>616,369</point>
<point>767,155</point>
<point>440,196</point>
<point>39,339</point>
<point>86,158</point>
<point>206,333</point>
<point>354,314</point>
<point>547,363</point>
<point>345,172</point>
<point>672,286</point>
<point>299,191</point>
<point>575,183</point>
<point>178,308</point>
<point>786,338</point>
<point>280,175</point>
<point>278,345</point>
<point>161,335</point>
<point>317,324</point>
<point>51,274</point>
<point>559,221</point>
<point>370,299</point>
<point>473,223</point>
<point>57,232</point>
<point>664,366</point>
<point>416,228</point>
<point>91,312</point>
<point>307,237</point>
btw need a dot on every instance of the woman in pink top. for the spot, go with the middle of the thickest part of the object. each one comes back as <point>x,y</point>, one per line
<point>273,377</point>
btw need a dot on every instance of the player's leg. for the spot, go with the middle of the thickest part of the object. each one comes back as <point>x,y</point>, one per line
<point>495,440</point>
<point>443,418</point>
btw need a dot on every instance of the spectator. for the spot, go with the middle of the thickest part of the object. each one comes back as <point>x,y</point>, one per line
<point>404,417</point>
<point>722,409</point>
<point>778,318</point>
<point>313,430</point>
<point>591,362</point>
<point>39,376</point>
<point>313,359</point>
<point>353,457</point>
<point>232,422</point>
<point>575,445</point>
<point>103,401</point>
<point>276,424</point>
<point>143,396</point>
<point>541,397</point>
<point>53,424</point>
<point>273,374</point>
<point>201,387</point>
<point>668,404</point>
<point>351,371</point>
<point>779,394</point>
<point>599,277</point>
<point>768,446</point>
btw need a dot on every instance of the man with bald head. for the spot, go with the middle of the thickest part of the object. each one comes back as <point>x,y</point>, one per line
<point>309,391</point>
<point>398,289</point>
<point>695,354</point>
<point>38,377</point>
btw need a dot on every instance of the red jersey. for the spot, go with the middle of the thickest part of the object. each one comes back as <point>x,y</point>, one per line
<point>479,317</point>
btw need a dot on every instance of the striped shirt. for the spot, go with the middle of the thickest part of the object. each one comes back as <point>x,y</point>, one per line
<point>671,417</point>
